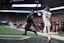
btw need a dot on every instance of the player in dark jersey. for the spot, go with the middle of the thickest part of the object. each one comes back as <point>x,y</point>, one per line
<point>29,21</point>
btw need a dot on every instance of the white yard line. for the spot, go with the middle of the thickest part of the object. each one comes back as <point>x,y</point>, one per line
<point>23,38</point>
<point>13,37</point>
<point>53,36</point>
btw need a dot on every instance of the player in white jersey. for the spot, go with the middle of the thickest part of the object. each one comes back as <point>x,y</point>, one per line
<point>46,14</point>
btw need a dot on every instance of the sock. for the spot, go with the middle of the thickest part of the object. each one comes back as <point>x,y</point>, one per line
<point>49,37</point>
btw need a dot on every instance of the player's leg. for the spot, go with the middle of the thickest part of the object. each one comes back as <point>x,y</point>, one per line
<point>49,38</point>
<point>33,29</point>
<point>26,28</point>
<point>48,28</point>
<point>49,35</point>
<point>44,30</point>
<point>35,32</point>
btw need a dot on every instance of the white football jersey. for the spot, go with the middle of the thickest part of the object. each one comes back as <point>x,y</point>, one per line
<point>45,15</point>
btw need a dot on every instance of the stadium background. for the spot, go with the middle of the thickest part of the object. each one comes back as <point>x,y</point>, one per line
<point>19,18</point>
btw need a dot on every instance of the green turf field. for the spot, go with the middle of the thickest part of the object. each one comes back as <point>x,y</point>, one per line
<point>8,31</point>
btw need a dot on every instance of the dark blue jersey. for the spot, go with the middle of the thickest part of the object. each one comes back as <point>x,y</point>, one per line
<point>29,19</point>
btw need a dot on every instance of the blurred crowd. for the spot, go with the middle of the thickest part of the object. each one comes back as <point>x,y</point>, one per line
<point>19,20</point>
